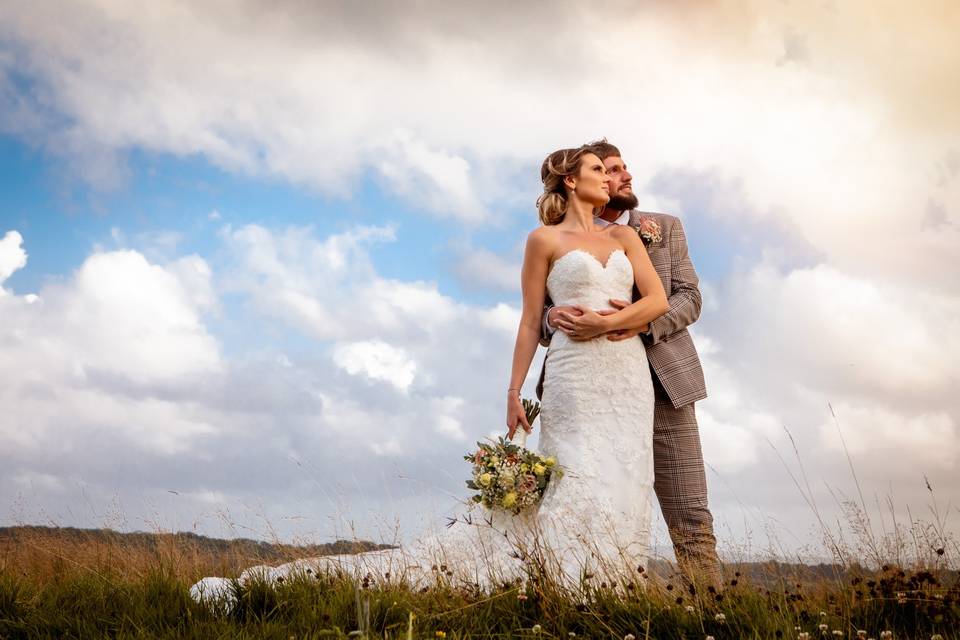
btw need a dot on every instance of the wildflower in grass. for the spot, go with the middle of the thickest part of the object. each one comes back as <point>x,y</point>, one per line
<point>823,614</point>
<point>629,636</point>
<point>690,608</point>
<point>936,636</point>
<point>803,635</point>
<point>823,629</point>
<point>861,633</point>
<point>441,634</point>
<point>521,596</point>
<point>572,634</point>
<point>838,633</point>
<point>536,628</point>
<point>708,638</point>
<point>886,635</point>
<point>720,617</point>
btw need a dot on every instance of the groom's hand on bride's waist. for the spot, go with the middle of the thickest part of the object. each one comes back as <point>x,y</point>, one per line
<point>557,317</point>
<point>582,323</point>
<point>571,320</point>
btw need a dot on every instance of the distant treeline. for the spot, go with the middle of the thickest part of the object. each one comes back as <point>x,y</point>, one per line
<point>265,551</point>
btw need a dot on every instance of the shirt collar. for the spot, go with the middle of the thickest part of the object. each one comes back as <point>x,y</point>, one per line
<point>623,219</point>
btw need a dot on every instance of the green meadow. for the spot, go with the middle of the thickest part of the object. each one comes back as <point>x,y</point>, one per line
<point>69,583</point>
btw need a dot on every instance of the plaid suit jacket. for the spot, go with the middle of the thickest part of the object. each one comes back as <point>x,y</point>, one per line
<point>670,350</point>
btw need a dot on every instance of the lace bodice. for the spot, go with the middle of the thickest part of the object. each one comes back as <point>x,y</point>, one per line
<point>578,277</point>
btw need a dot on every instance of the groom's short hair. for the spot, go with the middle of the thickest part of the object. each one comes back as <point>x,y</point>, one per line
<point>602,149</point>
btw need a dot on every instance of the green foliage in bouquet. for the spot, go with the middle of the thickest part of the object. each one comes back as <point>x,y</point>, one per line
<point>531,408</point>
<point>508,476</point>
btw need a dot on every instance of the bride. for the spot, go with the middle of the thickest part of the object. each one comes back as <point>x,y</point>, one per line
<point>593,522</point>
<point>597,412</point>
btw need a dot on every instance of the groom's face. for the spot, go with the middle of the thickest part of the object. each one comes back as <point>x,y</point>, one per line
<point>621,184</point>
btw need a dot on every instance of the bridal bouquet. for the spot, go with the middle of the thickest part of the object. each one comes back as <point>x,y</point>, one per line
<point>509,476</point>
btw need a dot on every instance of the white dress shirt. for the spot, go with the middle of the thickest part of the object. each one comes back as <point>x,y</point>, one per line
<point>623,219</point>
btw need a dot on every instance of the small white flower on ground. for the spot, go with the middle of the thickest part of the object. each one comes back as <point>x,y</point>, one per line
<point>720,617</point>
<point>838,633</point>
<point>536,628</point>
<point>804,635</point>
<point>629,636</point>
<point>708,638</point>
<point>823,628</point>
<point>823,614</point>
<point>690,608</point>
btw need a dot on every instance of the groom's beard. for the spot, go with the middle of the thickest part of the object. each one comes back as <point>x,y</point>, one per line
<point>622,202</point>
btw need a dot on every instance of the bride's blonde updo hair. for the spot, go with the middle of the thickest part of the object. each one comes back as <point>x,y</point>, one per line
<point>552,203</point>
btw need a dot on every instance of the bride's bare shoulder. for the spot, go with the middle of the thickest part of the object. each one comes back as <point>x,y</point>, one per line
<point>623,234</point>
<point>544,236</point>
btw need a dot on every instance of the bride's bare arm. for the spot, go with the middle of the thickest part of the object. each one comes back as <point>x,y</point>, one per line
<point>533,284</point>
<point>651,305</point>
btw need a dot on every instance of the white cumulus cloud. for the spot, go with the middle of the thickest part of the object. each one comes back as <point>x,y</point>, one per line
<point>12,256</point>
<point>377,360</point>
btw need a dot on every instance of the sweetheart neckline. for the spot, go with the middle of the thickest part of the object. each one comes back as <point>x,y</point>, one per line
<point>603,265</point>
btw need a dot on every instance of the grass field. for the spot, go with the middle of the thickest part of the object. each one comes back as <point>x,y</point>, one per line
<point>74,584</point>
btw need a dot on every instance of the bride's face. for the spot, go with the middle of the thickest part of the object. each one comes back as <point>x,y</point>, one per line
<point>592,183</point>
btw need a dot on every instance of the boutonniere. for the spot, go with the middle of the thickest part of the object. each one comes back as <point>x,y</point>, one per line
<point>649,231</point>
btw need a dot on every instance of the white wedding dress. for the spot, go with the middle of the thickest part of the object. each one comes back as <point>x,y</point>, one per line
<point>594,521</point>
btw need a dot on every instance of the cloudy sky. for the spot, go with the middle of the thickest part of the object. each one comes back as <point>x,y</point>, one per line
<point>259,261</point>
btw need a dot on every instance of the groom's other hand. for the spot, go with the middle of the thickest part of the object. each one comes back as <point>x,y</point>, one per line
<point>562,317</point>
<point>625,333</point>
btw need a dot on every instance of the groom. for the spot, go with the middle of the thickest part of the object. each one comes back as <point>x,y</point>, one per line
<point>679,476</point>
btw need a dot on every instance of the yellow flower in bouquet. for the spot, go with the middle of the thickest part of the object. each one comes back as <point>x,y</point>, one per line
<point>486,479</point>
<point>509,500</point>
<point>539,469</point>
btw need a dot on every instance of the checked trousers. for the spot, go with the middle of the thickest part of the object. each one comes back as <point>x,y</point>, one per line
<point>681,487</point>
